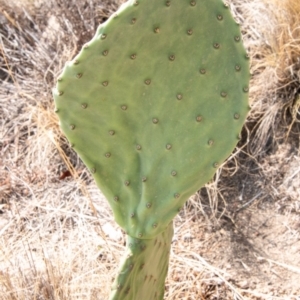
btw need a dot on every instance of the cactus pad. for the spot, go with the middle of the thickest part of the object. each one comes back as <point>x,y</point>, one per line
<point>154,103</point>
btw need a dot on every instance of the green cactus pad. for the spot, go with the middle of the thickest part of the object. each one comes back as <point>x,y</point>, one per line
<point>154,103</point>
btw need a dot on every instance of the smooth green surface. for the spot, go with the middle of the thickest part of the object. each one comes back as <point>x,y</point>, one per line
<point>153,62</point>
<point>144,268</point>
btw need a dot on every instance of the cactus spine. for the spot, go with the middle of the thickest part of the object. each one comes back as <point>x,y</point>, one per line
<point>153,104</point>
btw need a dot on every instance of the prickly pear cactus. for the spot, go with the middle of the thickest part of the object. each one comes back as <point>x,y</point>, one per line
<point>153,104</point>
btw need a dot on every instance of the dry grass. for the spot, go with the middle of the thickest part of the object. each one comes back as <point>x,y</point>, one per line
<point>58,239</point>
